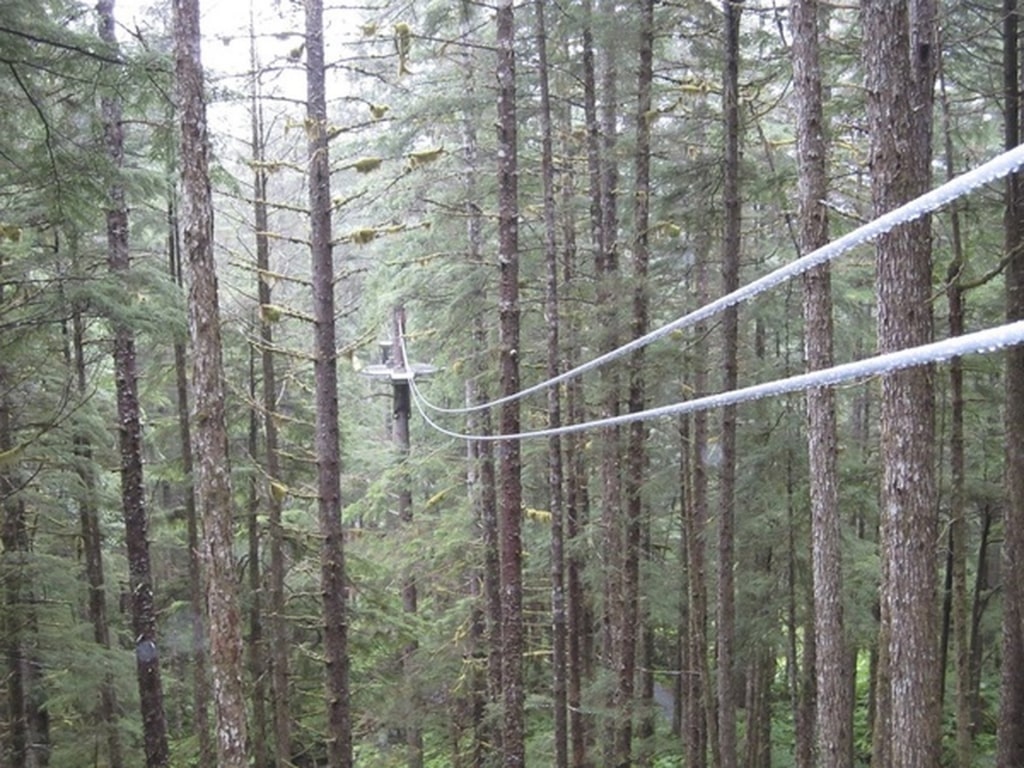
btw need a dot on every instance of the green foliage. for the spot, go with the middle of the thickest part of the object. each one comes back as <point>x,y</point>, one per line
<point>415,134</point>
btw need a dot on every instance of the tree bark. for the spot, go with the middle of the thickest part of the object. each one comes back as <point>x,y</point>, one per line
<point>636,461</point>
<point>400,436</point>
<point>1011,689</point>
<point>26,713</point>
<point>333,581</point>
<point>254,643</point>
<point>834,716</point>
<point>200,678</point>
<point>275,587</point>
<point>701,731</point>
<point>958,531</point>
<point>483,485</point>
<point>92,547</point>
<point>509,459</point>
<point>726,622</point>
<point>554,408</point>
<point>601,108</point>
<point>578,627</point>
<point>133,492</point>
<point>210,440</point>
<point>900,51</point>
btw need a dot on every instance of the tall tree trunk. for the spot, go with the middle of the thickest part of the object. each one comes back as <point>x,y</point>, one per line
<point>900,51</point>
<point>726,624</point>
<point>601,108</point>
<point>701,732</point>
<point>509,459</point>
<point>1011,689</point>
<point>133,492</point>
<point>333,583</point>
<point>958,532</point>
<point>197,599</point>
<point>684,702</point>
<point>801,667</point>
<point>481,454</point>
<point>554,407</point>
<point>210,439</point>
<point>92,547</point>
<point>834,716</point>
<point>254,644</point>
<point>637,435</point>
<point>485,503</point>
<point>577,614</point>
<point>400,437</point>
<point>257,658</point>
<point>579,517</point>
<point>26,713</point>
<point>275,587</point>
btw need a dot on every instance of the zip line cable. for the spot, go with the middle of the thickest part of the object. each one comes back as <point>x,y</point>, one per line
<point>980,342</point>
<point>997,168</point>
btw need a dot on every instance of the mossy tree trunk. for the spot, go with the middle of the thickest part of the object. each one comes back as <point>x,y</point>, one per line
<point>209,437</point>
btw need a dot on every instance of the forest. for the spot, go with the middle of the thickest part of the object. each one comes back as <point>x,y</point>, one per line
<point>582,383</point>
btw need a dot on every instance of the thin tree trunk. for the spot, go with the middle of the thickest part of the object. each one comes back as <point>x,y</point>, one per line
<point>400,436</point>
<point>1011,689</point>
<point>257,658</point>
<point>702,730</point>
<point>478,639</point>
<point>254,643</point>
<point>900,51</point>
<point>133,492</point>
<point>481,454</point>
<point>760,670</point>
<point>602,216</point>
<point>982,591</point>
<point>554,408</point>
<point>682,709</point>
<point>210,440</point>
<point>726,622</point>
<point>801,666</point>
<point>275,587</point>
<point>92,547</point>
<point>601,105</point>
<point>960,605</point>
<point>333,582</point>
<point>579,511</point>
<point>26,713</point>
<point>509,459</point>
<point>834,716</point>
<point>577,621</point>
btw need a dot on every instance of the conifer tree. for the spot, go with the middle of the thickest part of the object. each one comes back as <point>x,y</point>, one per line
<point>333,581</point>
<point>554,406</point>
<point>510,493</point>
<point>210,439</point>
<point>482,478</point>
<point>200,676</point>
<point>900,56</point>
<point>278,639</point>
<point>1011,690</point>
<point>129,417</point>
<point>632,616</point>
<point>726,618</point>
<point>834,714</point>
